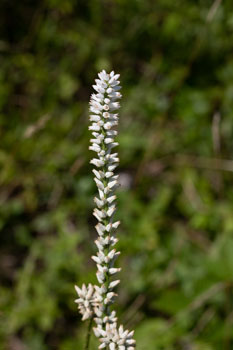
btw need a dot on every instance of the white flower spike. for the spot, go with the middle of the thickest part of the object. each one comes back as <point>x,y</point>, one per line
<point>95,301</point>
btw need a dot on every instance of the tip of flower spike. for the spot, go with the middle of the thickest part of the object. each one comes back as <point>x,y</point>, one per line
<point>103,75</point>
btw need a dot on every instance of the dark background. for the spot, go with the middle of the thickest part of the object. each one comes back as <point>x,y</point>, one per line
<point>176,148</point>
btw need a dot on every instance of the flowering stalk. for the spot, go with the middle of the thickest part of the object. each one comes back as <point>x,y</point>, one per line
<point>95,301</point>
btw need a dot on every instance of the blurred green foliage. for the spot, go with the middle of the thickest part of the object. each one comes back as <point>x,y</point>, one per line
<point>176,199</point>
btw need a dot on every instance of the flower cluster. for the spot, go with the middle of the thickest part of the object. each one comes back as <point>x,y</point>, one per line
<point>98,299</point>
<point>115,339</point>
<point>88,301</point>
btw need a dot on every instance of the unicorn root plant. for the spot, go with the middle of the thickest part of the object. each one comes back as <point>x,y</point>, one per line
<point>94,302</point>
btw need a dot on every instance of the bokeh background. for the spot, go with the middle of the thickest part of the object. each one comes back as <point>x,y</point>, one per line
<point>176,149</point>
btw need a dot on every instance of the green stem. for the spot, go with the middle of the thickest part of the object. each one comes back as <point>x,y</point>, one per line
<point>88,337</point>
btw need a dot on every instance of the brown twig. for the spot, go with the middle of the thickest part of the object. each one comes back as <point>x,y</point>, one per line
<point>216,132</point>
<point>34,128</point>
<point>213,10</point>
<point>204,162</point>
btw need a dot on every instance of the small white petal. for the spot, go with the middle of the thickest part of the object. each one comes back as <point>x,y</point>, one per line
<point>99,184</point>
<point>95,141</point>
<point>100,276</point>
<point>115,83</point>
<point>131,334</point>
<point>94,127</point>
<point>112,183</point>
<point>99,245</point>
<point>108,140</point>
<point>113,160</point>
<point>114,241</point>
<point>101,255</point>
<point>113,144</point>
<point>111,132</point>
<point>111,210</point>
<point>106,115</point>
<point>94,148</point>
<point>112,346</point>
<point>97,162</point>
<point>96,259</point>
<point>100,229</point>
<point>101,83</point>
<point>114,270</point>
<point>96,332</point>
<point>95,110</point>
<point>110,295</point>
<point>114,105</point>
<point>99,203</point>
<point>98,136</point>
<point>116,88</point>
<point>116,224</point>
<point>86,316</point>
<point>102,153</point>
<point>107,125</point>
<point>100,213</point>
<point>78,290</point>
<point>101,194</point>
<point>94,118</point>
<point>98,88</point>
<point>111,253</point>
<point>112,155</point>
<point>112,167</point>
<point>97,173</point>
<point>111,199</point>
<point>97,216</point>
<point>96,105</point>
<point>103,75</point>
<point>113,284</point>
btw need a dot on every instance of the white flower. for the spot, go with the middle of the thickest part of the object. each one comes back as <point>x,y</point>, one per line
<point>96,300</point>
<point>103,122</point>
<point>115,338</point>
<point>88,301</point>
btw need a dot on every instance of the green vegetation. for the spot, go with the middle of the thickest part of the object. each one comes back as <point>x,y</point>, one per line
<point>176,146</point>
